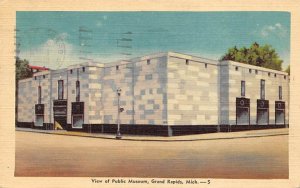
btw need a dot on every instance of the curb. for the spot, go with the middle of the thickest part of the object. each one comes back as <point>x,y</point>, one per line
<point>157,140</point>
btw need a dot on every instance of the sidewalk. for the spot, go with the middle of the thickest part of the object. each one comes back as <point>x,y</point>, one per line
<point>209,136</point>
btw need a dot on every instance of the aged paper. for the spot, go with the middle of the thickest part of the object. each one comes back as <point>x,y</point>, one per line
<point>8,13</point>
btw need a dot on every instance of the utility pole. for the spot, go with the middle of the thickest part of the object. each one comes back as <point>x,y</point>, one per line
<point>119,136</point>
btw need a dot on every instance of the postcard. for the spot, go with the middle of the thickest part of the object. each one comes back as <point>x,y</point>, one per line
<point>164,94</point>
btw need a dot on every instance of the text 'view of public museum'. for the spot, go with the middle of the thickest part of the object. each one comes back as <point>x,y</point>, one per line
<point>165,94</point>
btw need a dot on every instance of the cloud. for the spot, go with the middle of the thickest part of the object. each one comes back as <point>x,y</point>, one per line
<point>276,29</point>
<point>55,53</point>
<point>99,23</point>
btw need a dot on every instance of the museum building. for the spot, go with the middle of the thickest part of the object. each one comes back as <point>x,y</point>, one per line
<point>164,94</point>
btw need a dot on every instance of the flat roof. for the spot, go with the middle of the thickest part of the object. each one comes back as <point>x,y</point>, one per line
<point>238,64</point>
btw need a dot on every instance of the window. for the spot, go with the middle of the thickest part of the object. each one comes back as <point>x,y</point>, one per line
<point>35,77</point>
<point>269,74</point>
<point>117,67</point>
<point>250,70</point>
<point>71,71</point>
<point>205,65</point>
<point>60,89</point>
<point>262,89</point>
<point>77,121</point>
<point>284,77</point>
<point>44,76</point>
<point>256,71</point>
<point>243,89</point>
<point>77,91</point>
<point>39,95</point>
<point>187,62</point>
<point>148,61</point>
<point>275,75</point>
<point>236,68</point>
<point>83,69</point>
<point>280,92</point>
<point>39,120</point>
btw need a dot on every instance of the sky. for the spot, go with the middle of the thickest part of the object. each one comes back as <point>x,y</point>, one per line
<point>58,39</point>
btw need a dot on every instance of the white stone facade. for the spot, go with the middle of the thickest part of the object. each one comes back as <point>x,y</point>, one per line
<point>164,89</point>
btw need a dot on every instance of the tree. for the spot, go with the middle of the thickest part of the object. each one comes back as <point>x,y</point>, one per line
<point>22,71</point>
<point>288,70</point>
<point>263,56</point>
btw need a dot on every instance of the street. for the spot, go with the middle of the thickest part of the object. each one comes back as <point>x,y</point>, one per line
<point>60,156</point>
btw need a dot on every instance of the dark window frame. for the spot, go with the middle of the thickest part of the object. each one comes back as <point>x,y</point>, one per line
<point>262,89</point>
<point>60,96</point>
<point>243,88</point>
<point>280,92</point>
<point>77,91</point>
<point>39,95</point>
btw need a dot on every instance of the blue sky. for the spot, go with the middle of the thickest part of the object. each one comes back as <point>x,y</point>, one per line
<point>58,39</point>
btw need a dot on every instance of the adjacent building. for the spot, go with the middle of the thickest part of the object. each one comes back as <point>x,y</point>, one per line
<point>162,94</point>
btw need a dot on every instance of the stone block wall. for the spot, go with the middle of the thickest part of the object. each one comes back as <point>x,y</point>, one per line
<point>252,76</point>
<point>42,79</point>
<point>26,101</point>
<point>192,91</point>
<point>143,91</point>
<point>80,73</point>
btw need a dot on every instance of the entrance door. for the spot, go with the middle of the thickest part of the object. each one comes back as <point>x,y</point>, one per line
<point>262,112</point>
<point>242,116</point>
<point>262,116</point>
<point>279,113</point>
<point>60,114</point>
<point>60,122</point>
<point>242,111</point>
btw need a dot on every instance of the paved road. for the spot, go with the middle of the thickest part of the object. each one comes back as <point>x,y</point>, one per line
<point>58,155</point>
